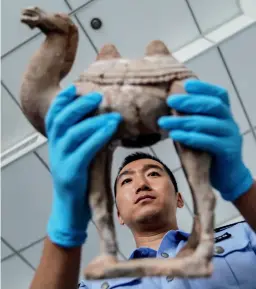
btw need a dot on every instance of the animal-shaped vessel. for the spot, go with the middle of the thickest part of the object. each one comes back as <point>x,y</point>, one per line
<point>138,89</point>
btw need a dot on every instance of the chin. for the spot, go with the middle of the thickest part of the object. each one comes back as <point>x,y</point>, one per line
<point>148,214</point>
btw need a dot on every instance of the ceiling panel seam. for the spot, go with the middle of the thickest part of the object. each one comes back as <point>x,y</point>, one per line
<point>80,24</point>
<point>21,250</point>
<point>71,13</point>
<point>11,95</point>
<point>194,17</point>
<point>17,254</point>
<point>44,163</point>
<point>215,27</point>
<point>237,91</point>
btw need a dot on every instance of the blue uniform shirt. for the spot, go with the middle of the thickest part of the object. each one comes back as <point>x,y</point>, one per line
<point>234,263</point>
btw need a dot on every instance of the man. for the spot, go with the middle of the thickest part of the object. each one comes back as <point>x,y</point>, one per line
<point>146,192</point>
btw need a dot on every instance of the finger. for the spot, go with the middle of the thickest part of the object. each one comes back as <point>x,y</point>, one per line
<point>83,130</point>
<point>88,149</point>
<point>75,111</point>
<point>194,123</point>
<point>201,141</point>
<point>61,100</point>
<point>199,104</point>
<point>196,86</point>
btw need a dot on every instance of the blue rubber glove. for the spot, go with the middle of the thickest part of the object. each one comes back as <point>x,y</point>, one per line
<point>210,126</point>
<point>73,142</point>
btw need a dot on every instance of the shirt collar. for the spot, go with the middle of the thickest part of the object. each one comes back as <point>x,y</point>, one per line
<point>170,239</point>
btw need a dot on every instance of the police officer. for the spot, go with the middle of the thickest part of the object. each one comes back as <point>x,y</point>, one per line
<point>146,190</point>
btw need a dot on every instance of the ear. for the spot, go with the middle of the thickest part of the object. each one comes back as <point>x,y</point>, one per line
<point>121,222</point>
<point>180,201</point>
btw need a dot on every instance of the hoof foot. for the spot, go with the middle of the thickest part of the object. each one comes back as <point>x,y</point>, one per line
<point>96,269</point>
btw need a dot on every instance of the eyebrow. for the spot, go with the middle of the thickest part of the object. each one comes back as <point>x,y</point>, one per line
<point>145,168</point>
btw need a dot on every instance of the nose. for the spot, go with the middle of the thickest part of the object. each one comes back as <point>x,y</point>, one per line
<point>143,186</point>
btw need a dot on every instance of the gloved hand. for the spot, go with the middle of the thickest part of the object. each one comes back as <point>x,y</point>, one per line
<point>73,142</point>
<point>210,127</point>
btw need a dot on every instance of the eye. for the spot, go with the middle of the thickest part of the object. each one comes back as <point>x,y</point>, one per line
<point>154,174</point>
<point>126,181</point>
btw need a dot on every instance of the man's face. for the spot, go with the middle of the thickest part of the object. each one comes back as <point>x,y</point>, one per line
<point>145,193</point>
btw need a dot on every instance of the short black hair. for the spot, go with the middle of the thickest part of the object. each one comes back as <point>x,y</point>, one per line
<point>141,155</point>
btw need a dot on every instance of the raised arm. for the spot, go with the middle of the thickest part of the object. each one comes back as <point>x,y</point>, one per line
<point>246,204</point>
<point>73,142</point>
<point>58,268</point>
<point>209,126</point>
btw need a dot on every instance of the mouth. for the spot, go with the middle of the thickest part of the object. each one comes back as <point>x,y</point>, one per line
<point>146,197</point>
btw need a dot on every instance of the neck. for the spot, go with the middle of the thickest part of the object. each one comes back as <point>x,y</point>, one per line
<point>152,238</point>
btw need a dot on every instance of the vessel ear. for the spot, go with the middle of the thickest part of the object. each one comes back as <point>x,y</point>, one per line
<point>157,47</point>
<point>108,51</point>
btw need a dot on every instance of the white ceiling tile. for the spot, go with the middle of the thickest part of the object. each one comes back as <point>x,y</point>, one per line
<point>249,152</point>
<point>211,14</point>
<point>26,201</point>
<point>166,152</point>
<point>249,8</point>
<point>16,274</point>
<point>20,59</point>
<point>184,219</point>
<point>76,3</point>
<point>124,236</point>
<point>18,32</point>
<point>33,254</point>
<point>91,248</point>
<point>84,57</point>
<point>224,210</point>
<point>15,126</point>
<point>131,29</point>
<point>239,54</point>
<point>209,67</point>
<point>5,250</point>
<point>184,189</point>
<point>43,153</point>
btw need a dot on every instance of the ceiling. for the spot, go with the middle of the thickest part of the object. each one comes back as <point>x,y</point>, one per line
<point>214,38</point>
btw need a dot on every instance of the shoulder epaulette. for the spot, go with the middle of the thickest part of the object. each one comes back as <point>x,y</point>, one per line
<point>227,226</point>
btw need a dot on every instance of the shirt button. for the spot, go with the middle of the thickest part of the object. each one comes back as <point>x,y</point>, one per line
<point>219,250</point>
<point>169,278</point>
<point>164,255</point>
<point>104,285</point>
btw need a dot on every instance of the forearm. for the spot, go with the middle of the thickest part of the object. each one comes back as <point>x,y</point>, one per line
<point>246,204</point>
<point>58,268</point>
